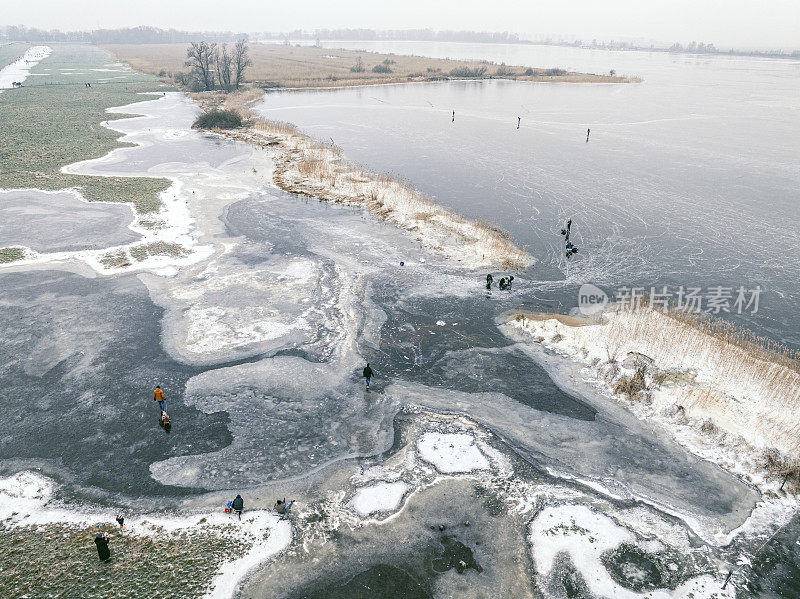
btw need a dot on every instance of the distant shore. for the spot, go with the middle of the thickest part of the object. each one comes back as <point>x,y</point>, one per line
<point>278,66</point>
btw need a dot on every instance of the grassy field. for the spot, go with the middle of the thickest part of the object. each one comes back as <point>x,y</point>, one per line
<point>55,120</point>
<point>11,254</point>
<point>276,65</point>
<point>10,52</point>
<point>61,561</point>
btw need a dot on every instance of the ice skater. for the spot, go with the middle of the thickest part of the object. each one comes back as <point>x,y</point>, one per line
<point>238,505</point>
<point>158,395</point>
<point>588,131</point>
<point>454,117</point>
<point>367,374</point>
<point>519,120</point>
<point>569,247</point>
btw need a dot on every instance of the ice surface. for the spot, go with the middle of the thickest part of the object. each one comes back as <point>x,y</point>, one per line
<point>688,222</point>
<point>270,326</point>
<point>288,416</point>
<point>275,304</point>
<point>61,221</point>
<point>660,473</point>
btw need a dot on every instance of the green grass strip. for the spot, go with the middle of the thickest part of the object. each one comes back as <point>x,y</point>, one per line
<point>55,120</point>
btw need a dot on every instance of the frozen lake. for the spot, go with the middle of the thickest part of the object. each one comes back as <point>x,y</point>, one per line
<point>689,179</point>
<point>260,341</point>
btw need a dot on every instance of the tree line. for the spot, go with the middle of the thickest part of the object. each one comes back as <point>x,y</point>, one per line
<point>213,66</point>
<point>127,35</point>
<point>396,34</point>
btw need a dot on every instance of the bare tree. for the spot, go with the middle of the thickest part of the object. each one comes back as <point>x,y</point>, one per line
<point>200,60</point>
<point>222,62</point>
<point>241,60</point>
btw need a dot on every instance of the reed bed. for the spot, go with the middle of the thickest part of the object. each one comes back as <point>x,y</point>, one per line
<point>745,385</point>
<point>284,66</point>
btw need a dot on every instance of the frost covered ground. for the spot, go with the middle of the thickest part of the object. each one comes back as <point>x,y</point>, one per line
<point>474,466</point>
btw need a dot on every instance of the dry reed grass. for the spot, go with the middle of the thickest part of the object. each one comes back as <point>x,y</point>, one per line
<point>740,389</point>
<point>747,385</point>
<point>276,65</point>
<point>784,467</point>
<point>630,386</point>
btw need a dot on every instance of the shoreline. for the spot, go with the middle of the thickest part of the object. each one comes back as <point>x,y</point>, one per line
<point>706,405</point>
<point>320,171</point>
<point>27,503</point>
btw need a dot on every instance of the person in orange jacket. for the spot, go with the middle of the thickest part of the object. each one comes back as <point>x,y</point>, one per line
<point>158,395</point>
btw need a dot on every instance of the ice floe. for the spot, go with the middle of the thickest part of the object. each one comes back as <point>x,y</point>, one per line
<point>452,452</point>
<point>379,497</point>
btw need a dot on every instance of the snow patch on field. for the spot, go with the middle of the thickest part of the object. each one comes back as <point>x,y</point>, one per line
<point>452,452</point>
<point>274,536</point>
<point>18,70</point>
<point>380,497</point>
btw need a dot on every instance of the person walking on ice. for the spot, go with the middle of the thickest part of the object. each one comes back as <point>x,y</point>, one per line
<point>367,374</point>
<point>158,395</point>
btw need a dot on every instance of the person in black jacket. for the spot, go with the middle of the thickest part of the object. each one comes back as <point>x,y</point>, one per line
<point>505,282</point>
<point>101,540</point>
<point>367,374</point>
<point>238,505</point>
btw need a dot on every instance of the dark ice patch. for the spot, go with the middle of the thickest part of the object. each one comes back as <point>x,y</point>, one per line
<point>79,359</point>
<point>378,582</point>
<point>468,353</point>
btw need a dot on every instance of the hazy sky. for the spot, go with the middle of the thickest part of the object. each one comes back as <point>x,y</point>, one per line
<point>740,23</point>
